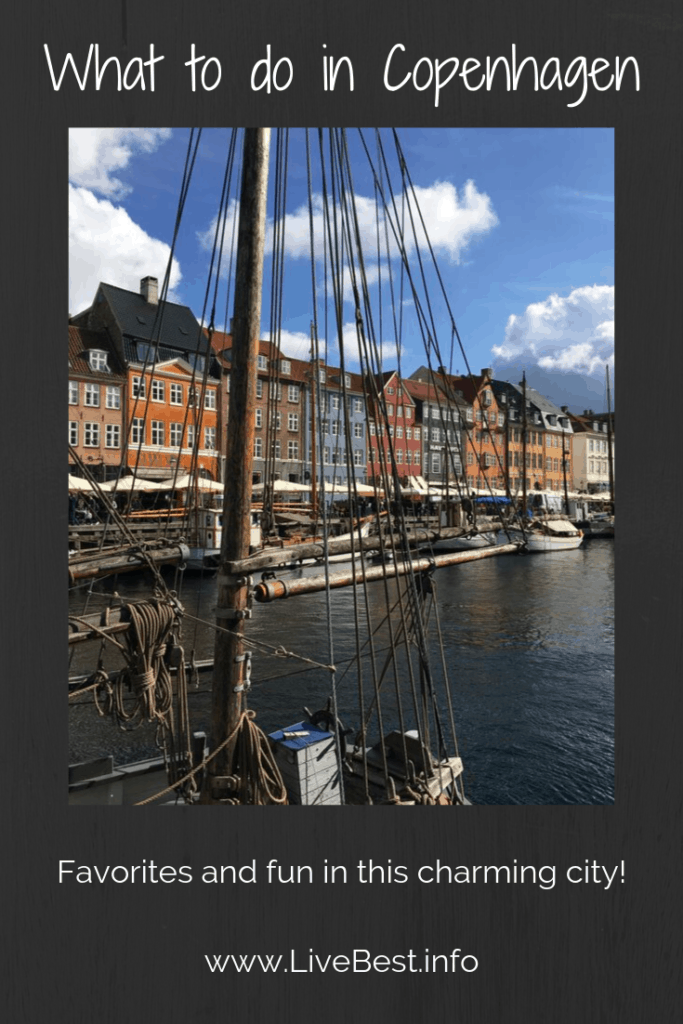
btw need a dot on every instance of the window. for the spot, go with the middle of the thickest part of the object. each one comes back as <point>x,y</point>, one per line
<point>158,391</point>
<point>358,457</point>
<point>293,393</point>
<point>479,416</point>
<point>73,392</point>
<point>436,434</point>
<point>292,449</point>
<point>98,360</point>
<point>486,397</point>
<point>372,430</point>
<point>390,409</point>
<point>409,433</point>
<point>390,391</point>
<point>157,431</point>
<point>416,432</point>
<point>358,430</point>
<point>501,419</point>
<point>292,421</point>
<point>408,412</point>
<point>358,405</point>
<point>193,397</point>
<point>391,431</point>
<point>277,450</point>
<point>321,376</point>
<point>436,464</point>
<point>176,396</point>
<point>92,394</point>
<point>416,458</point>
<point>347,380</point>
<point>113,397</point>
<point>258,445</point>
<point>469,415</point>
<point>210,438</point>
<point>334,402</point>
<point>556,465</point>
<point>326,455</point>
<point>259,388</point>
<point>91,435</point>
<point>138,388</point>
<point>262,362</point>
<point>112,435</point>
<point>210,399</point>
<point>259,418</point>
<point>190,439</point>
<point>399,456</point>
<point>176,434</point>
<point>275,390</point>
<point>286,367</point>
<point>399,431</point>
<point>335,428</point>
<point>409,457</point>
<point>73,432</point>
<point>399,411</point>
<point>136,431</point>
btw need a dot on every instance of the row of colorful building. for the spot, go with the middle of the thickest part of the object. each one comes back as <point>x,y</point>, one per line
<point>148,391</point>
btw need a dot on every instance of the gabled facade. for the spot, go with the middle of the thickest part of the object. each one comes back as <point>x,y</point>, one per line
<point>443,417</point>
<point>548,439</point>
<point>483,440</point>
<point>172,380</point>
<point>392,425</point>
<point>97,398</point>
<point>335,409</point>
<point>591,452</point>
<point>279,409</point>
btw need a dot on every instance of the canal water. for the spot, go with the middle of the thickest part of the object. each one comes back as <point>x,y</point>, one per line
<point>529,646</point>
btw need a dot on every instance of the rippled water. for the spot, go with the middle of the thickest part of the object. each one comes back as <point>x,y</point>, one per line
<point>529,646</point>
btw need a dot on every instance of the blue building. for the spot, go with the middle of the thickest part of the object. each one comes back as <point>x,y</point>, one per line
<point>338,410</point>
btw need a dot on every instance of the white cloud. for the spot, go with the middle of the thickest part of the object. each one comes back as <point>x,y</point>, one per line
<point>453,220</point>
<point>96,153</point>
<point>570,334</point>
<point>297,344</point>
<point>106,245</point>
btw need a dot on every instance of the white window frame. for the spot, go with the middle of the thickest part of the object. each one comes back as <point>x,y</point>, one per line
<point>73,433</point>
<point>138,387</point>
<point>73,392</point>
<point>112,397</point>
<point>293,393</point>
<point>92,395</point>
<point>293,450</point>
<point>112,435</point>
<point>97,360</point>
<point>137,428</point>
<point>91,435</point>
<point>210,398</point>
<point>158,433</point>
<point>175,435</point>
<point>176,393</point>
<point>293,421</point>
<point>158,390</point>
<point>258,447</point>
<point>209,439</point>
<point>262,362</point>
<point>358,430</point>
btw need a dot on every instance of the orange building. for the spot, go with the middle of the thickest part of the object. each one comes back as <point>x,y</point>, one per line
<point>170,413</point>
<point>97,388</point>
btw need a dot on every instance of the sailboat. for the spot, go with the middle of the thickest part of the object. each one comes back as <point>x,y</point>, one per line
<point>402,747</point>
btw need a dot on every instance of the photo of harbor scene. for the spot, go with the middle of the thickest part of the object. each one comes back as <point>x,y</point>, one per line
<point>341,467</point>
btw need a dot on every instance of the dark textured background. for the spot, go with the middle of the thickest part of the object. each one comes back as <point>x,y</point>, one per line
<point>129,954</point>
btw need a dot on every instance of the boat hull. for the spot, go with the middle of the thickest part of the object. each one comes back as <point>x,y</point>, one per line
<point>542,542</point>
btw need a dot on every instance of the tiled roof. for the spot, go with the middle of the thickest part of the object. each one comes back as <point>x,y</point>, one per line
<point>143,320</point>
<point>81,341</point>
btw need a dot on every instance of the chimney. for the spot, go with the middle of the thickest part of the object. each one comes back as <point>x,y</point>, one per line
<point>149,289</point>
<point>487,371</point>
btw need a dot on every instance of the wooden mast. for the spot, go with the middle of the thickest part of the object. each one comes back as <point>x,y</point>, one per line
<point>564,473</point>
<point>231,665</point>
<point>609,441</point>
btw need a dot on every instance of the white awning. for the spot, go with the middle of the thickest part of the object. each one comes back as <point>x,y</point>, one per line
<point>78,484</point>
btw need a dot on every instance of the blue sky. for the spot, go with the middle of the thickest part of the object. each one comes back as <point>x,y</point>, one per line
<point>521,220</point>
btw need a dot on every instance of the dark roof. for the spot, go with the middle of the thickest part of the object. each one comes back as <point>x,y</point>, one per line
<point>143,320</point>
<point>81,341</point>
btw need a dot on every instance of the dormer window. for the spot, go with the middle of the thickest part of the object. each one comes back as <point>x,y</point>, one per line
<point>97,360</point>
<point>321,376</point>
<point>286,366</point>
<point>262,362</point>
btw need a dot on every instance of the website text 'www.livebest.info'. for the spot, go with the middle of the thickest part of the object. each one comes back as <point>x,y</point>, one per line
<point>356,961</point>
